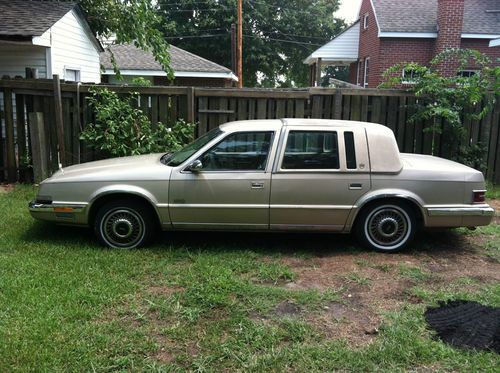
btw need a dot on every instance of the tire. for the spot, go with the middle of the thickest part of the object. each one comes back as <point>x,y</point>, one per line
<point>386,227</point>
<point>124,224</point>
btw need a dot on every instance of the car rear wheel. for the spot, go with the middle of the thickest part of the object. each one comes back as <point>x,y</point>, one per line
<point>386,227</point>
<point>124,224</point>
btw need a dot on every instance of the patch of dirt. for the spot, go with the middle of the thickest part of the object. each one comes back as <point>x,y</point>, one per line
<point>5,188</point>
<point>287,308</point>
<point>165,290</point>
<point>370,284</point>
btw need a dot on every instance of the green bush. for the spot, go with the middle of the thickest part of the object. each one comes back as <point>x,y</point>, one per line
<point>121,130</point>
<point>447,100</point>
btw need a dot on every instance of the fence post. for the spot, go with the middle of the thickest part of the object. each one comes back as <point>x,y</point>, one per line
<point>59,119</point>
<point>190,105</point>
<point>9,137</point>
<point>38,146</point>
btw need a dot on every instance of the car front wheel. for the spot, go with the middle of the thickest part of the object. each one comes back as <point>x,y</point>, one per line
<point>124,225</point>
<point>386,227</point>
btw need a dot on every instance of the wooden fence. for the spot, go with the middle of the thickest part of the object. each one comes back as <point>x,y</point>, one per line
<point>65,112</point>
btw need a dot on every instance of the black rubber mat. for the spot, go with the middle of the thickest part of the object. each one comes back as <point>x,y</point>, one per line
<point>466,324</point>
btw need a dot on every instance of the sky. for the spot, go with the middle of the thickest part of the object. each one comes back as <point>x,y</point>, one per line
<point>348,10</point>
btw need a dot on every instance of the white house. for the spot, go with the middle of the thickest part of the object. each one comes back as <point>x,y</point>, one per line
<point>52,37</point>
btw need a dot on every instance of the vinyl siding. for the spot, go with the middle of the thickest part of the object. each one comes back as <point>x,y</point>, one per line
<point>73,49</point>
<point>14,59</point>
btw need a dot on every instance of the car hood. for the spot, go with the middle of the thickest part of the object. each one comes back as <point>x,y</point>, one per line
<point>140,167</point>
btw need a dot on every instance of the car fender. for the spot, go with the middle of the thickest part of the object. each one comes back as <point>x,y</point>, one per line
<point>124,189</point>
<point>381,194</point>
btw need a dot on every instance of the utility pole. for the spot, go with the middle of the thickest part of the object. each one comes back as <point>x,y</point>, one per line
<point>239,54</point>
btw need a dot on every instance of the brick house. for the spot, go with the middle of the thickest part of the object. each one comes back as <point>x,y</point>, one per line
<point>393,31</point>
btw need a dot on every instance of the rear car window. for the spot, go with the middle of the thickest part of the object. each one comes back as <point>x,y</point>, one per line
<point>350,151</point>
<point>311,150</point>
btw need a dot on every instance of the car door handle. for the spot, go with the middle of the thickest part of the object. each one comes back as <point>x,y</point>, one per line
<point>257,185</point>
<point>355,186</point>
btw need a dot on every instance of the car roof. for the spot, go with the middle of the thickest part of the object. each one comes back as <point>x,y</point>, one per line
<point>273,124</point>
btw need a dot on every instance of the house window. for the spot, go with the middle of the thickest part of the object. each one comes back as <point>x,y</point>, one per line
<point>467,73</point>
<point>365,21</point>
<point>71,75</point>
<point>409,76</point>
<point>367,71</point>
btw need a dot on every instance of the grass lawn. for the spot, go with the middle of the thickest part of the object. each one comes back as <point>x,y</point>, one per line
<point>232,302</point>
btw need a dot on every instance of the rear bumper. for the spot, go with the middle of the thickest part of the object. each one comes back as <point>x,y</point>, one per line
<point>67,213</point>
<point>460,216</point>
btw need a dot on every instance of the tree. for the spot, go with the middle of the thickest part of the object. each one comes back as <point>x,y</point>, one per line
<point>278,34</point>
<point>129,21</point>
<point>447,99</point>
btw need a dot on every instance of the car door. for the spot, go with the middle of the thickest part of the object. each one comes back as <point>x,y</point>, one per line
<point>319,175</point>
<point>230,191</point>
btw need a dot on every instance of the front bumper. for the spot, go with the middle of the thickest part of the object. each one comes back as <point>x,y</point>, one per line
<point>460,215</point>
<point>67,213</point>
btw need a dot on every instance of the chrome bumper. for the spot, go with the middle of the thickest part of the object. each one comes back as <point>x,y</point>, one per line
<point>68,213</point>
<point>480,210</point>
<point>459,215</point>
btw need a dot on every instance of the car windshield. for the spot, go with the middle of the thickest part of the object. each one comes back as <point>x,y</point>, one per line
<point>177,158</point>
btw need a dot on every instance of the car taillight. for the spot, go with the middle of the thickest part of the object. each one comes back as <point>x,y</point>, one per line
<point>478,196</point>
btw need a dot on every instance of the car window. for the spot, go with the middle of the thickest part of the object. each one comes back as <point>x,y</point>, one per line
<point>242,151</point>
<point>311,150</point>
<point>177,158</point>
<point>350,151</point>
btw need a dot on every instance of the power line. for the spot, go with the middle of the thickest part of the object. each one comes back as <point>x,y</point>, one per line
<point>283,40</point>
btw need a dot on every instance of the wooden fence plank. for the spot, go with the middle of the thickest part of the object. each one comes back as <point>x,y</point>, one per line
<point>317,107</point>
<point>494,138</point>
<point>271,112</point>
<point>261,108</point>
<point>392,113</point>
<point>337,111</point>
<point>280,108</point>
<point>38,146</point>
<point>9,136</point>
<point>202,118</point>
<point>356,108</point>
<point>59,123</point>
<point>22,146</point>
<point>290,108</point>
<point>75,146</point>
<point>346,108</point>
<point>299,108</point>
<point>376,110</point>
<point>401,122</point>
<point>163,106</point>
<point>364,108</point>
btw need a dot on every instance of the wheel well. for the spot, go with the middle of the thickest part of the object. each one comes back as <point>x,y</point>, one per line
<point>397,200</point>
<point>101,201</point>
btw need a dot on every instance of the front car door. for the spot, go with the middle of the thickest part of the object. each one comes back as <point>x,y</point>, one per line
<point>320,173</point>
<point>232,188</point>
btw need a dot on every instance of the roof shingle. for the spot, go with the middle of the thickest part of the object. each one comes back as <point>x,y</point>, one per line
<point>421,16</point>
<point>129,57</point>
<point>26,18</point>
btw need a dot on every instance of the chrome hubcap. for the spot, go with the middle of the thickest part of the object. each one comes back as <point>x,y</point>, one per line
<point>122,228</point>
<point>387,226</point>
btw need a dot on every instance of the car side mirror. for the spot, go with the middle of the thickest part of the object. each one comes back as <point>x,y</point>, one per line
<point>196,166</point>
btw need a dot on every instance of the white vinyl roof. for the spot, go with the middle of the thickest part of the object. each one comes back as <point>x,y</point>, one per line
<point>343,49</point>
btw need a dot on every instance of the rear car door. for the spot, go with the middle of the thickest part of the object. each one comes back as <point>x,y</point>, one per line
<point>320,173</point>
